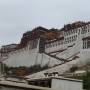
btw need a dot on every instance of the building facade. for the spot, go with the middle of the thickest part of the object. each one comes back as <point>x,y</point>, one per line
<point>57,83</point>
<point>60,49</point>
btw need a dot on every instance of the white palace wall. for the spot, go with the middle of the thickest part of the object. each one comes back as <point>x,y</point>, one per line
<point>28,57</point>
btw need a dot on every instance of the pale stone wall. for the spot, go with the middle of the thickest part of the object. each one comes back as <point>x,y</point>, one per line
<point>60,84</point>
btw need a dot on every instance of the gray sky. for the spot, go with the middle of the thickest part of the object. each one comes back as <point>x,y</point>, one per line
<point>18,16</point>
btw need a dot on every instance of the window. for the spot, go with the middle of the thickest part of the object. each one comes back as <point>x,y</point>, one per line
<point>52,44</point>
<point>76,36</point>
<point>61,42</point>
<point>87,29</point>
<point>70,39</point>
<point>79,31</point>
<point>73,30</point>
<point>86,43</point>
<point>47,46</point>
<point>58,42</point>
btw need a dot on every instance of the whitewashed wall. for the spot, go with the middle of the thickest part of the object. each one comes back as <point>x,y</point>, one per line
<point>28,57</point>
<point>59,84</point>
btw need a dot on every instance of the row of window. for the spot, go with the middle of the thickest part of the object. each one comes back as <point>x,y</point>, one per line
<point>54,44</point>
<point>85,30</point>
<point>73,31</point>
<point>3,54</point>
<point>70,39</point>
<point>67,40</point>
<point>86,44</point>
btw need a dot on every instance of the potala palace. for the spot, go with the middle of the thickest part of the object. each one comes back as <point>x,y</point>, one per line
<point>60,49</point>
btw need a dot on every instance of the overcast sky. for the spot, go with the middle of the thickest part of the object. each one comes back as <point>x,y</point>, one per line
<point>18,16</point>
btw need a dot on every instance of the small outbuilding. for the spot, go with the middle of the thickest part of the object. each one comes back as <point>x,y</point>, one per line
<point>57,83</point>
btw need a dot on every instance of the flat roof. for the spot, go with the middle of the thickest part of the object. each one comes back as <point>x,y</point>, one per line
<point>59,78</point>
<point>21,85</point>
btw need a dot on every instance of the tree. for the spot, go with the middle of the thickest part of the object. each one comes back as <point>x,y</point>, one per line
<point>73,68</point>
<point>86,81</point>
